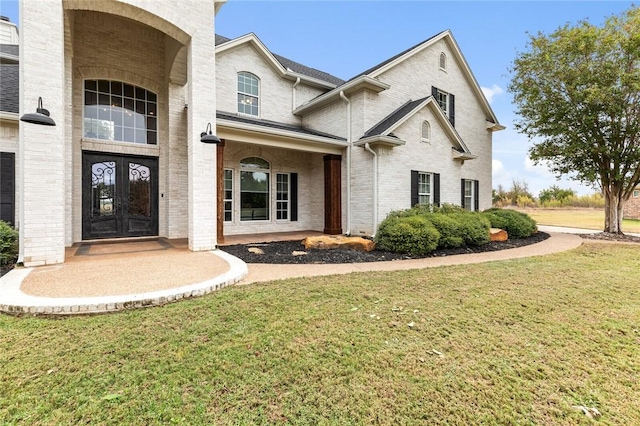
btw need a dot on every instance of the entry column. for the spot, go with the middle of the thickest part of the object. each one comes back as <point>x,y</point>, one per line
<point>332,194</point>
<point>201,110</point>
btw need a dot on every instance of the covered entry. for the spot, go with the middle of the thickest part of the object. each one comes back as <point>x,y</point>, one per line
<point>119,196</point>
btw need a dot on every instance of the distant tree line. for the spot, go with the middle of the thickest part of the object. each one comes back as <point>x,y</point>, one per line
<point>519,195</point>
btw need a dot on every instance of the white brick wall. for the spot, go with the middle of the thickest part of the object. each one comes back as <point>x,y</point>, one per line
<point>309,167</point>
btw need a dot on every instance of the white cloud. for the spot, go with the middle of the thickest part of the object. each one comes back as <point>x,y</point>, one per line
<point>540,169</point>
<point>490,92</point>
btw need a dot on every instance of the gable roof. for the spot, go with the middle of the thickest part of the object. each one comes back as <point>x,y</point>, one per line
<point>284,66</point>
<point>10,88</point>
<point>374,72</point>
<point>383,130</point>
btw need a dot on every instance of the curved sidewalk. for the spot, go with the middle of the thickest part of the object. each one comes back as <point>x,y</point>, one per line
<point>113,282</point>
<point>557,242</point>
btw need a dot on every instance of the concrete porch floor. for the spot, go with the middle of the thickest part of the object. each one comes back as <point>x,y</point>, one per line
<point>230,240</point>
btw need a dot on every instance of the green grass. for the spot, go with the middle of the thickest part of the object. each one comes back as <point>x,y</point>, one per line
<point>576,218</point>
<point>522,341</point>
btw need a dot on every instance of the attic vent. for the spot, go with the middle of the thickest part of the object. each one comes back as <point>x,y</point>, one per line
<point>426,131</point>
<point>443,61</point>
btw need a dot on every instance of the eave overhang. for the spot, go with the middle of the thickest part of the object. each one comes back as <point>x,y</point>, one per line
<point>9,116</point>
<point>380,140</point>
<point>280,138</point>
<point>253,40</point>
<point>361,83</point>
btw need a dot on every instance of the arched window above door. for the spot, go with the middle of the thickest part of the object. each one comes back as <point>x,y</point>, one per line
<point>118,111</point>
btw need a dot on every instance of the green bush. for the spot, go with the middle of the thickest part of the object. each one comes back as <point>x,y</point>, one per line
<point>8,244</point>
<point>474,227</point>
<point>450,229</point>
<point>411,234</point>
<point>517,224</point>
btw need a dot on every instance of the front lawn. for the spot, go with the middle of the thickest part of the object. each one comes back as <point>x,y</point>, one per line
<point>513,342</point>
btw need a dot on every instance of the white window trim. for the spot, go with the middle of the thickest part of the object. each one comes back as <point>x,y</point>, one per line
<point>446,101</point>
<point>238,92</point>
<point>470,196</point>
<point>288,201</point>
<point>224,199</point>
<point>429,194</point>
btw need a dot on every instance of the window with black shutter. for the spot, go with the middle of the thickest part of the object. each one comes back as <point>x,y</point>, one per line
<point>7,187</point>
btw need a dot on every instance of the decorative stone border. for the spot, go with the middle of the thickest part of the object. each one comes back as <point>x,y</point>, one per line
<point>14,302</point>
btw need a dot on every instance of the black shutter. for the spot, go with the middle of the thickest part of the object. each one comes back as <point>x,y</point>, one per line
<point>452,109</point>
<point>7,187</point>
<point>462,192</point>
<point>414,188</point>
<point>434,92</point>
<point>294,197</point>
<point>436,189</point>
<point>476,197</point>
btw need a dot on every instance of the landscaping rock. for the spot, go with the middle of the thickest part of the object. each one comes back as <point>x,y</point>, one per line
<point>338,241</point>
<point>256,250</point>
<point>496,234</point>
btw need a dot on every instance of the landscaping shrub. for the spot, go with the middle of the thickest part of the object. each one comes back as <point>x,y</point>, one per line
<point>451,234</point>
<point>8,244</point>
<point>517,224</point>
<point>411,234</point>
<point>474,227</point>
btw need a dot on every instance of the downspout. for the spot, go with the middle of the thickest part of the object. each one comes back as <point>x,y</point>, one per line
<point>294,93</point>
<point>375,188</point>
<point>344,98</point>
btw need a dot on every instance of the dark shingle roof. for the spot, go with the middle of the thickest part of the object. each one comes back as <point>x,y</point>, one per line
<point>309,72</point>
<point>393,118</point>
<point>11,49</point>
<point>295,66</point>
<point>393,58</point>
<point>9,88</point>
<point>274,125</point>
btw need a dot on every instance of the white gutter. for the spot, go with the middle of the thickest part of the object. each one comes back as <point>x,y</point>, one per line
<point>344,98</point>
<point>293,95</point>
<point>375,188</point>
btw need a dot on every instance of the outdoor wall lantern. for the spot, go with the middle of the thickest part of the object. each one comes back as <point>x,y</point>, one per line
<point>41,116</point>
<point>209,137</point>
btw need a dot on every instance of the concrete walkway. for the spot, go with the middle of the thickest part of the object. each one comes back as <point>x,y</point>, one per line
<point>111,277</point>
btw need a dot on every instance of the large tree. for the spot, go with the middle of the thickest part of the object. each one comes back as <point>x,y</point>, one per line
<point>577,93</point>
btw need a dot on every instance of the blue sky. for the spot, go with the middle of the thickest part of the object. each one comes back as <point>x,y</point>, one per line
<point>347,37</point>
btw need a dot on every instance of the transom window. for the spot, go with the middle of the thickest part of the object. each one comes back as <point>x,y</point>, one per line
<point>424,188</point>
<point>117,111</point>
<point>636,193</point>
<point>248,93</point>
<point>443,101</point>
<point>254,189</point>
<point>443,61</point>
<point>425,131</point>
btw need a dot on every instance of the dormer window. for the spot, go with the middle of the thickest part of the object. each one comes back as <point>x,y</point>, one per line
<point>248,93</point>
<point>443,61</point>
<point>425,132</point>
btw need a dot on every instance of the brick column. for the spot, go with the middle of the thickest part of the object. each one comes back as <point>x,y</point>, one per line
<point>201,110</point>
<point>42,148</point>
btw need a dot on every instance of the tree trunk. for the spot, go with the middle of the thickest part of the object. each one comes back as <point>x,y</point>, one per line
<point>613,207</point>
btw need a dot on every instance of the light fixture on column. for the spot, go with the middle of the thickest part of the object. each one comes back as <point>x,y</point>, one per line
<point>208,137</point>
<point>41,116</point>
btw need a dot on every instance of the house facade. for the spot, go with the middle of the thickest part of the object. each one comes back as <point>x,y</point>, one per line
<point>131,86</point>
<point>632,206</point>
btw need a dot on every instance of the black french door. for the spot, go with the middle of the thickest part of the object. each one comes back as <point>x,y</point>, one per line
<point>119,196</point>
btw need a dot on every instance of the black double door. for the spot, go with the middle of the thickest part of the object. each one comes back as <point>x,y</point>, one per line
<point>119,196</point>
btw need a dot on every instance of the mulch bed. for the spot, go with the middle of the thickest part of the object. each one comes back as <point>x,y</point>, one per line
<point>281,252</point>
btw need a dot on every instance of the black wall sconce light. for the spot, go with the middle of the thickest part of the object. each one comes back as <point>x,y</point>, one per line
<point>41,116</point>
<point>208,137</point>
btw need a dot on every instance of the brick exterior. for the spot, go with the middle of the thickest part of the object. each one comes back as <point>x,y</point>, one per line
<point>632,207</point>
<point>166,47</point>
